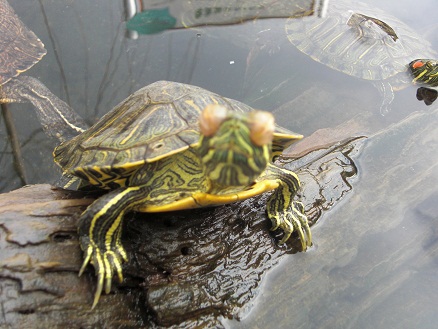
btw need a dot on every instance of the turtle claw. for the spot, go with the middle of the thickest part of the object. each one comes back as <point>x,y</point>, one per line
<point>98,291</point>
<point>298,208</point>
<point>291,220</point>
<point>105,265</point>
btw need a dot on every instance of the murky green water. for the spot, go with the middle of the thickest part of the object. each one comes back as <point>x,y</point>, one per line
<point>375,260</point>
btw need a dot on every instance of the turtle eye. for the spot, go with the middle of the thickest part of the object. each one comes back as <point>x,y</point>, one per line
<point>262,127</point>
<point>429,65</point>
<point>211,118</point>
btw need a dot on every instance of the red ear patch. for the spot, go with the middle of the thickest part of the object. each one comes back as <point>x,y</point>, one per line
<point>417,64</point>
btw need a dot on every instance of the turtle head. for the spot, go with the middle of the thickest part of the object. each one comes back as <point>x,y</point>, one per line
<point>235,148</point>
<point>424,71</point>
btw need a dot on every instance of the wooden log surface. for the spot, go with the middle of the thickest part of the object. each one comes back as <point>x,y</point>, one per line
<point>185,269</point>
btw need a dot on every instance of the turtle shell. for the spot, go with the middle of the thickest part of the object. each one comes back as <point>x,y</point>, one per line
<point>157,121</point>
<point>20,48</point>
<point>359,40</point>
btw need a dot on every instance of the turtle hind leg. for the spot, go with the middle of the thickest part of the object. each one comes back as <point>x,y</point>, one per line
<point>283,211</point>
<point>100,229</point>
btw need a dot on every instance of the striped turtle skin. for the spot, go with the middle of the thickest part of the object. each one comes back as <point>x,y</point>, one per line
<point>171,146</point>
<point>424,71</point>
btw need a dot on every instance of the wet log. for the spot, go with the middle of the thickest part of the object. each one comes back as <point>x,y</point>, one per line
<point>186,269</point>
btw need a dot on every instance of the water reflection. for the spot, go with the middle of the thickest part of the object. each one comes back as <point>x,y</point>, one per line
<point>149,17</point>
<point>374,264</point>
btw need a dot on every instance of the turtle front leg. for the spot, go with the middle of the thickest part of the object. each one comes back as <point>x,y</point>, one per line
<point>387,93</point>
<point>100,229</point>
<point>283,211</point>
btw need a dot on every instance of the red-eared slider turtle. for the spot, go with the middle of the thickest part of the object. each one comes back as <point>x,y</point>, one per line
<point>171,146</point>
<point>361,41</point>
<point>20,49</point>
<point>154,152</point>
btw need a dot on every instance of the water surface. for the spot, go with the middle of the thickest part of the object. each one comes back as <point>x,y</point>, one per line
<point>375,259</point>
